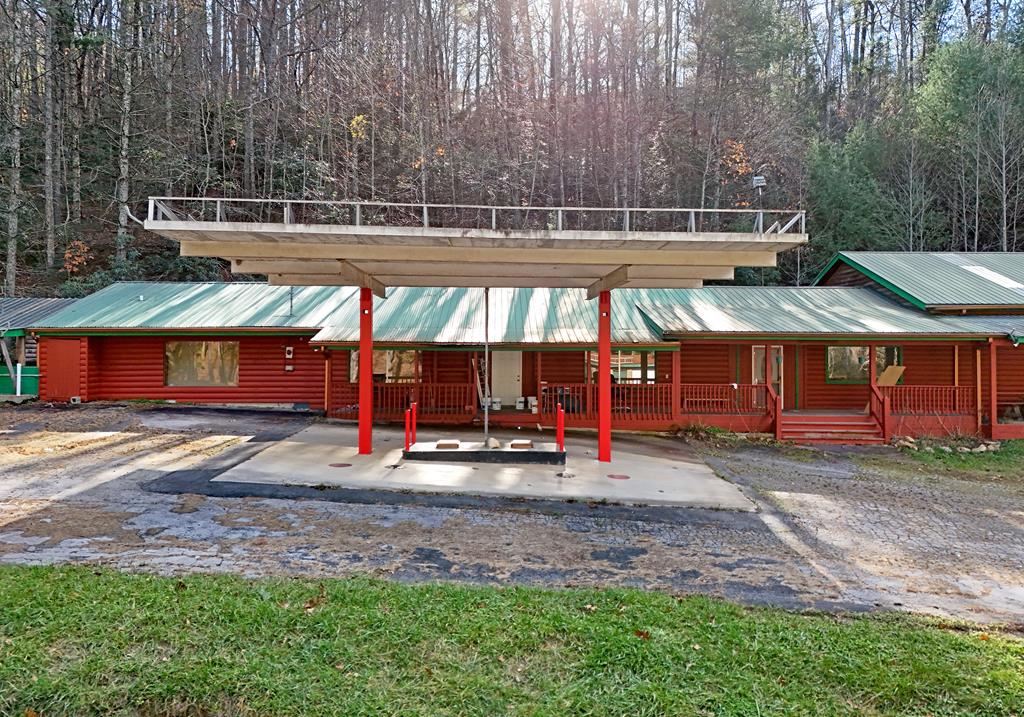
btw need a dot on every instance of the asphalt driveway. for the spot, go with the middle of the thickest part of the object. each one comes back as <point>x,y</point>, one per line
<point>134,487</point>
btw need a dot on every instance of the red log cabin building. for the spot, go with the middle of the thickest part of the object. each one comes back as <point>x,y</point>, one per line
<point>804,363</point>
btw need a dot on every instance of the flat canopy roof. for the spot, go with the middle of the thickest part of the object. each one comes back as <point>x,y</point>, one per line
<point>375,245</point>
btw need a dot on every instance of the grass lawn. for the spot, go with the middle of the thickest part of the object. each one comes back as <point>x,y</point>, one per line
<point>74,641</point>
<point>1008,461</point>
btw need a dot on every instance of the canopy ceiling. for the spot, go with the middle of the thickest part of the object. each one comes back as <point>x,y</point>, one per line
<point>347,252</point>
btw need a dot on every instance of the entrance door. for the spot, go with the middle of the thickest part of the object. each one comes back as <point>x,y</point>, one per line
<point>507,376</point>
<point>767,367</point>
<point>63,378</point>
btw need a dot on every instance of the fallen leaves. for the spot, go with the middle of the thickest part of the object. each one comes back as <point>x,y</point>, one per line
<point>317,600</point>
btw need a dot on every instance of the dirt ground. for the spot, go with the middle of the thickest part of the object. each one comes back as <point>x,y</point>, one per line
<point>129,487</point>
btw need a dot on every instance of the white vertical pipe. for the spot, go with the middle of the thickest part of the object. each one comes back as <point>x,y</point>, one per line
<point>17,379</point>
<point>487,366</point>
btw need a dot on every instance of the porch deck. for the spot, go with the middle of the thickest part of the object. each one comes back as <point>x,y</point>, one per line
<point>748,408</point>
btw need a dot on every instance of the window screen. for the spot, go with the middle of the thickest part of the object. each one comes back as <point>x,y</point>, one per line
<point>201,363</point>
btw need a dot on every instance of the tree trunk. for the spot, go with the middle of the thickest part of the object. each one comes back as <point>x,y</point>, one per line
<point>14,144</point>
<point>49,179</point>
<point>123,236</point>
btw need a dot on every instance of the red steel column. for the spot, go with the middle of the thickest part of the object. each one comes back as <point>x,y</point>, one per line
<point>365,371</point>
<point>677,383</point>
<point>604,377</point>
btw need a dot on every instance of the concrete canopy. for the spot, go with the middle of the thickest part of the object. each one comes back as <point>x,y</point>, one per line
<point>327,243</point>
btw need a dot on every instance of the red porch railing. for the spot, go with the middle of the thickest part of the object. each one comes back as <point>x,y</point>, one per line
<point>880,408</point>
<point>725,398</point>
<point>448,402</point>
<point>579,401</point>
<point>631,402</point>
<point>931,400</point>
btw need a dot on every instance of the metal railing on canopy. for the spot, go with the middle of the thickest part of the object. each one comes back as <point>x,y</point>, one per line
<point>475,216</point>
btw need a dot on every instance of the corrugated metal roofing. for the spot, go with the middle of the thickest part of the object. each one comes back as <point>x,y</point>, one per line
<point>517,316</point>
<point>22,313</point>
<point>211,305</point>
<point>945,278</point>
<point>781,310</point>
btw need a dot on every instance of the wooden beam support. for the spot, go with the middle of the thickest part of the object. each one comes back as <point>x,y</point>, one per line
<point>284,266</point>
<point>593,271</point>
<point>347,275</point>
<point>611,280</point>
<point>368,252</point>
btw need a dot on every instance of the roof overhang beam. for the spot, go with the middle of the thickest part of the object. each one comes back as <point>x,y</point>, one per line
<point>513,282</point>
<point>345,275</point>
<point>358,253</point>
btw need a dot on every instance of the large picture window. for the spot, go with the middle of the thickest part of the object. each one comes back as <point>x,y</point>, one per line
<point>201,363</point>
<point>849,364</point>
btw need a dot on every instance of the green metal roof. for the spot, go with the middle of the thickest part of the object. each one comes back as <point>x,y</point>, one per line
<point>196,306</point>
<point>932,279</point>
<point>517,316</point>
<point>788,311</point>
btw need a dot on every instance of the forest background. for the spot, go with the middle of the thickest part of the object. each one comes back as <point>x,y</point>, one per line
<point>897,124</point>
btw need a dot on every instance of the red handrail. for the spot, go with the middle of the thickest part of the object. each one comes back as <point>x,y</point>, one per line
<point>776,410</point>
<point>635,402</point>
<point>725,399</point>
<point>880,408</point>
<point>930,400</point>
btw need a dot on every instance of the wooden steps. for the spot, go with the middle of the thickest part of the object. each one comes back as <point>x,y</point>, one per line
<point>848,428</point>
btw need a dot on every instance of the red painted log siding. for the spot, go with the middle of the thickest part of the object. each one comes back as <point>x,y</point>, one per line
<point>929,364</point>
<point>817,394</point>
<point>132,367</point>
<point>708,363</point>
<point>447,366</point>
<point>563,366</point>
<point>663,366</point>
<point>1010,367</point>
<point>92,364</point>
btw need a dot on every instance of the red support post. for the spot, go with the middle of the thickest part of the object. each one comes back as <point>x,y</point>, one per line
<point>604,377</point>
<point>677,385</point>
<point>414,422</point>
<point>993,391</point>
<point>560,429</point>
<point>408,426</point>
<point>365,371</point>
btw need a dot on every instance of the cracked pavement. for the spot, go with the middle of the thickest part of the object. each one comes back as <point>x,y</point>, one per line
<point>836,530</point>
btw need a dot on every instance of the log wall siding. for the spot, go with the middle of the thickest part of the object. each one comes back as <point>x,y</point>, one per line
<point>708,363</point>
<point>132,367</point>
<point>846,275</point>
<point>564,366</point>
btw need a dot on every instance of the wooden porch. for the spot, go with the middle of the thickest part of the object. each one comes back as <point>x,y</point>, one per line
<point>804,405</point>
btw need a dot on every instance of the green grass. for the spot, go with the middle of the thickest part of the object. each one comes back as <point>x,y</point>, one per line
<point>74,641</point>
<point>1007,461</point>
